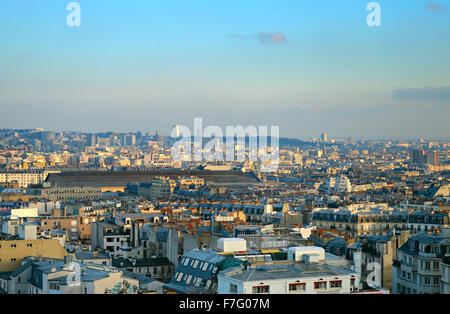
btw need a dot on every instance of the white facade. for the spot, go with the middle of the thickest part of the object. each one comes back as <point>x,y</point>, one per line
<point>342,185</point>
<point>24,212</point>
<point>232,244</point>
<point>23,178</point>
<point>300,284</point>
<point>28,232</point>
<point>302,253</point>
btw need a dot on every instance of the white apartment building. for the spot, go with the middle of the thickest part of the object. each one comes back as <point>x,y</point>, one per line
<point>24,179</point>
<point>308,271</point>
<point>342,185</point>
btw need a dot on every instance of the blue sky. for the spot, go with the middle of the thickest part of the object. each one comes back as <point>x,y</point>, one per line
<point>307,66</point>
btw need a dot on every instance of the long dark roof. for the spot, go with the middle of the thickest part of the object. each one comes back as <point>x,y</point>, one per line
<point>121,178</point>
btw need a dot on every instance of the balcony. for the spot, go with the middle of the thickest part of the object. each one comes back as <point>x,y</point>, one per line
<point>427,255</point>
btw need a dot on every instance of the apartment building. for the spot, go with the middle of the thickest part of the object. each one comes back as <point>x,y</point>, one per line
<point>23,178</point>
<point>157,268</point>
<point>38,275</point>
<point>188,182</point>
<point>158,188</point>
<point>68,193</point>
<point>359,219</point>
<point>307,270</point>
<point>108,237</point>
<point>12,252</point>
<point>377,250</point>
<point>421,266</point>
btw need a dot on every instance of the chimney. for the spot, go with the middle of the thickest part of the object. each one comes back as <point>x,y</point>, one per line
<point>69,259</point>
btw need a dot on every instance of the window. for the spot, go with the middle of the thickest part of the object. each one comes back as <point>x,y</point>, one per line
<point>436,281</point>
<point>54,286</point>
<point>186,261</point>
<point>188,280</point>
<point>261,289</point>
<point>336,284</point>
<point>320,285</point>
<point>301,286</point>
<point>435,265</point>
<point>233,288</point>
<point>427,281</point>
<point>205,266</point>
<point>195,264</point>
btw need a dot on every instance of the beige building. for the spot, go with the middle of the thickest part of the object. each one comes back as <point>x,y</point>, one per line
<point>24,179</point>
<point>12,252</point>
<point>186,182</point>
<point>355,221</point>
<point>67,193</point>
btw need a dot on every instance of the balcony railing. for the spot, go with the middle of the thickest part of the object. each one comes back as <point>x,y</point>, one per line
<point>427,255</point>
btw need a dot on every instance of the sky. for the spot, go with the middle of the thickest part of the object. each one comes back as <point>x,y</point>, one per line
<point>306,66</point>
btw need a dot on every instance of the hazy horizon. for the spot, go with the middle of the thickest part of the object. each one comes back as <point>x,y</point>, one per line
<point>307,66</point>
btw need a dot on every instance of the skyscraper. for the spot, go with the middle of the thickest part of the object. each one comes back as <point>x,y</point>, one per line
<point>91,140</point>
<point>418,156</point>
<point>432,158</point>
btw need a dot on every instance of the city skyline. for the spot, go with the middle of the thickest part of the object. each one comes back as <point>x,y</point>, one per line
<point>307,67</point>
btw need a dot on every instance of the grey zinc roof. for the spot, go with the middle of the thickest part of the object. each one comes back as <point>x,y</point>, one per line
<point>5,275</point>
<point>144,262</point>
<point>87,274</point>
<point>210,256</point>
<point>425,238</point>
<point>89,255</point>
<point>296,270</point>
